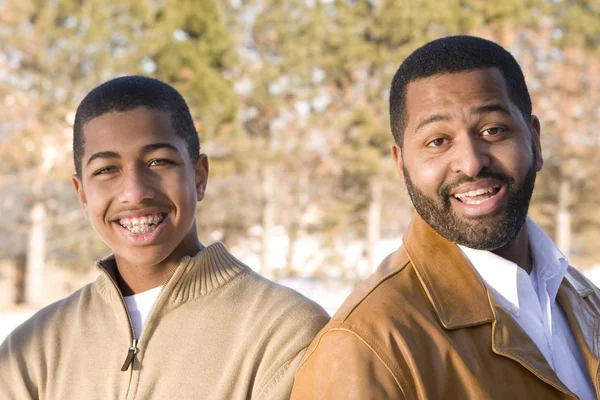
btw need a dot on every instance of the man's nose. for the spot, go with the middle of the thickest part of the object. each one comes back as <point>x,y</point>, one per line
<point>135,187</point>
<point>470,156</point>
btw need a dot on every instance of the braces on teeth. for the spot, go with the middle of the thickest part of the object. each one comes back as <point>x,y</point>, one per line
<point>143,225</point>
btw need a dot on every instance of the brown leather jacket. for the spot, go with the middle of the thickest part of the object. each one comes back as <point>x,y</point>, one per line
<point>424,326</point>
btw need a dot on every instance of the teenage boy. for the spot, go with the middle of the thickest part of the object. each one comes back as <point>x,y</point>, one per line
<point>478,303</point>
<point>168,318</point>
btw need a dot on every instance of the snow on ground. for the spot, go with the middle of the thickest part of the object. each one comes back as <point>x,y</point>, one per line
<point>9,320</point>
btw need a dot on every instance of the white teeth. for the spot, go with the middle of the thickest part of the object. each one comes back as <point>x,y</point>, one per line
<point>477,192</point>
<point>475,201</point>
<point>142,225</point>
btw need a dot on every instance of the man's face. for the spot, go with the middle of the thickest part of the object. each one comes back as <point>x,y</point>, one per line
<point>139,188</point>
<point>469,158</point>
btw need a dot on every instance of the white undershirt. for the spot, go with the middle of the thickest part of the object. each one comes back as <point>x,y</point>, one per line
<point>531,300</point>
<point>139,306</point>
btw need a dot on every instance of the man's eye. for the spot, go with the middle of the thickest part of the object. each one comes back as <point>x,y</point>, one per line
<point>437,142</point>
<point>493,131</point>
<point>158,162</point>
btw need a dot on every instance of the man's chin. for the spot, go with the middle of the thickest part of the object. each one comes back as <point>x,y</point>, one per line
<point>488,232</point>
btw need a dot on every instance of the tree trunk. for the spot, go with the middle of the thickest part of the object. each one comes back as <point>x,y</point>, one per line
<point>563,217</point>
<point>373,227</point>
<point>268,220</point>
<point>36,254</point>
<point>291,250</point>
<point>19,278</point>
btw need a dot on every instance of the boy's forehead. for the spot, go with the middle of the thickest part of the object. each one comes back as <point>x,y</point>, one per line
<point>127,129</point>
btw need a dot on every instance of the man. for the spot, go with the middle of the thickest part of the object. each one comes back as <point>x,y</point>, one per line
<point>168,318</point>
<point>478,303</point>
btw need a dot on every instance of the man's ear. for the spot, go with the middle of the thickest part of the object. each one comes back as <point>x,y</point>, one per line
<point>201,172</point>
<point>78,185</point>
<point>397,153</point>
<point>536,131</point>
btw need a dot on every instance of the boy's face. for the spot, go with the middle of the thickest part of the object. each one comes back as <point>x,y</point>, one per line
<point>139,188</point>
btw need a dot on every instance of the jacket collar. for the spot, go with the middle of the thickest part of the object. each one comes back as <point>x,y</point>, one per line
<point>454,289</point>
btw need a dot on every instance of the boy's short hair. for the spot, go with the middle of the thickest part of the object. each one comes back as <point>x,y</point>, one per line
<point>130,92</point>
<point>455,54</point>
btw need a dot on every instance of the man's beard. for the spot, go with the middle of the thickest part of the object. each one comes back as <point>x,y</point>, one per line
<point>487,232</point>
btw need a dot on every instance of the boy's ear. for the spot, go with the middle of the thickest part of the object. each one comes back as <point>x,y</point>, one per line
<point>201,172</point>
<point>78,185</point>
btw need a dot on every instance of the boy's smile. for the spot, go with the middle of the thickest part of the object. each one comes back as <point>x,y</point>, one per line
<point>139,188</point>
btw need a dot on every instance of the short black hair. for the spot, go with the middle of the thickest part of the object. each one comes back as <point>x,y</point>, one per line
<point>127,93</point>
<point>454,54</point>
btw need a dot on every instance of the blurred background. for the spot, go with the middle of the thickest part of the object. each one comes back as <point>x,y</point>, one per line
<point>290,100</point>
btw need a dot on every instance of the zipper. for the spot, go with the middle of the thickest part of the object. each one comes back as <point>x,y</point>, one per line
<point>157,298</point>
<point>130,355</point>
<point>133,349</point>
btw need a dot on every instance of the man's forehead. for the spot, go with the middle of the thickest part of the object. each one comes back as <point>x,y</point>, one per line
<point>455,81</point>
<point>474,89</point>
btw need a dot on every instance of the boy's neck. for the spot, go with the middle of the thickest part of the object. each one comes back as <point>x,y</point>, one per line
<point>135,283</point>
<point>134,279</point>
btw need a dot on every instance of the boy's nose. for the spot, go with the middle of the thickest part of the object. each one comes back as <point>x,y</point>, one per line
<point>135,188</point>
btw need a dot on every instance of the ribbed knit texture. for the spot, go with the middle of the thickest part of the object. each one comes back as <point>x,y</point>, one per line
<point>217,331</point>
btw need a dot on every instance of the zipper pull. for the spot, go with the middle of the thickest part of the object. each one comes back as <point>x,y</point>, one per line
<point>130,356</point>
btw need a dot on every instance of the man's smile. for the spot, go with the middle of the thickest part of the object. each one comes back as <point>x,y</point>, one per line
<point>479,195</point>
<point>479,202</point>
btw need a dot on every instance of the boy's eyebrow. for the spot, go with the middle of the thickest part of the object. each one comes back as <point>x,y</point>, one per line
<point>146,149</point>
<point>103,154</point>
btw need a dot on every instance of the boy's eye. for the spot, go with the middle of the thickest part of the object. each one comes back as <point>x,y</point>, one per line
<point>105,170</point>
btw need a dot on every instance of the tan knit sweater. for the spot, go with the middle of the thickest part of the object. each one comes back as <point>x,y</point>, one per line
<point>217,331</point>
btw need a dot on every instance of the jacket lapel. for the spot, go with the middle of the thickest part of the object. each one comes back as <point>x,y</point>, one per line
<point>452,285</point>
<point>574,296</point>
<point>460,299</point>
<point>510,340</point>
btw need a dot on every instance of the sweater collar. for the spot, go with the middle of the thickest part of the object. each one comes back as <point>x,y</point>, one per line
<point>194,277</point>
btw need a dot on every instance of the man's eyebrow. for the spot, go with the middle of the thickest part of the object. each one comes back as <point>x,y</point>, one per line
<point>156,146</point>
<point>431,119</point>
<point>479,110</point>
<point>492,108</point>
<point>103,154</point>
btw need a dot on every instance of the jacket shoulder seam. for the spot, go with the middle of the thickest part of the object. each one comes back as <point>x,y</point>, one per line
<point>371,348</point>
<point>387,276</point>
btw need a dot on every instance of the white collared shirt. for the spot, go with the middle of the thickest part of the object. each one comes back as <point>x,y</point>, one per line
<point>531,300</point>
